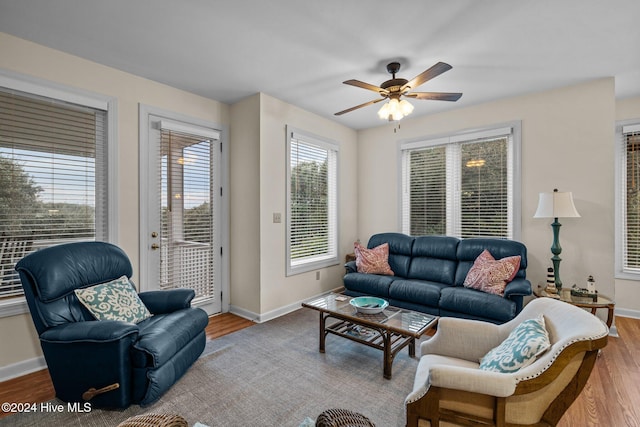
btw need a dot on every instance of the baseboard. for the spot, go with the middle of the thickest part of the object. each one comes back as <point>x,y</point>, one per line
<point>281,311</point>
<point>625,312</point>
<point>21,368</point>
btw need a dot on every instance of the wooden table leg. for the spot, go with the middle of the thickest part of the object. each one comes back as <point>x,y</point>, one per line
<point>412,347</point>
<point>322,333</point>
<point>388,357</point>
<point>610,308</point>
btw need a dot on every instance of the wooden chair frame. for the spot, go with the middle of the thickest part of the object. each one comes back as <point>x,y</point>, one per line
<point>428,406</point>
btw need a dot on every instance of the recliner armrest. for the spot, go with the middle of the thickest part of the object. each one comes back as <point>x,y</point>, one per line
<point>167,301</point>
<point>93,331</point>
<point>519,287</point>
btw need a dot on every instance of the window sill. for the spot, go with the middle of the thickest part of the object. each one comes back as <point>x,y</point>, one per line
<point>13,307</point>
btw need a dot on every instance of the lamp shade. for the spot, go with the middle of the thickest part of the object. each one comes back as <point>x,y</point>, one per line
<point>556,205</point>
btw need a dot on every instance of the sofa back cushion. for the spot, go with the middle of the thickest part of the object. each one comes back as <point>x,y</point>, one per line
<point>469,249</point>
<point>399,250</point>
<point>434,259</point>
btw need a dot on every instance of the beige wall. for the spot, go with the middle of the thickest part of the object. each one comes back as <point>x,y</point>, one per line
<point>567,143</point>
<point>244,198</point>
<point>266,290</point>
<point>628,291</point>
<point>30,59</point>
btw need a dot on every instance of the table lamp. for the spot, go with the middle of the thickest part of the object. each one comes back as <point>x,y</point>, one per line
<point>556,205</point>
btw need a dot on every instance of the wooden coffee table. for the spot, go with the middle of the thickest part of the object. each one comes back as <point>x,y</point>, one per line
<point>389,331</point>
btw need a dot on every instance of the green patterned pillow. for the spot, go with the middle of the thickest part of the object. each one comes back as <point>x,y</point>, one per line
<point>526,342</point>
<point>115,300</point>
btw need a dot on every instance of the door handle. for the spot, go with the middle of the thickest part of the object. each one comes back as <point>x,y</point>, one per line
<point>155,246</point>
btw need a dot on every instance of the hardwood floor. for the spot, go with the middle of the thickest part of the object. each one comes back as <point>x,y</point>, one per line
<point>609,398</point>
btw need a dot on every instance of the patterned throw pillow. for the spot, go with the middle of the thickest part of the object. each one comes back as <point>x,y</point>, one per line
<point>526,342</point>
<point>373,261</point>
<point>115,300</point>
<point>490,275</point>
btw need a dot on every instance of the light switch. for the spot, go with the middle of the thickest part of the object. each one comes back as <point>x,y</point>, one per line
<point>277,217</point>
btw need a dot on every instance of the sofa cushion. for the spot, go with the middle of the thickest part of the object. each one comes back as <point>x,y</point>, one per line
<point>114,300</point>
<point>368,284</point>
<point>400,246</point>
<point>434,259</point>
<point>373,261</point>
<point>477,304</point>
<point>416,291</point>
<point>491,275</point>
<point>163,335</point>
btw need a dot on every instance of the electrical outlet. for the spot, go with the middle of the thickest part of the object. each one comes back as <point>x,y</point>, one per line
<point>317,275</point>
<point>277,217</point>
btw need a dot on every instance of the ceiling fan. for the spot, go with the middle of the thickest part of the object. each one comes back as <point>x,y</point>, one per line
<point>396,88</point>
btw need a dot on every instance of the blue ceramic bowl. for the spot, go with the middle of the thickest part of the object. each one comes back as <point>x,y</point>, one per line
<point>369,305</point>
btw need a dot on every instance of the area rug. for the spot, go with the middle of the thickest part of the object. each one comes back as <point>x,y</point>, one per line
<point>270,374</point>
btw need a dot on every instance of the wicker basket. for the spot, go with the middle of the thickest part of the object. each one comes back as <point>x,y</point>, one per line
<point>342,418</point>
<point>155,420</point>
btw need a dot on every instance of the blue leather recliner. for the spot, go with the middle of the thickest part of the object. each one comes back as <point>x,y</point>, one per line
<point>106,362</point>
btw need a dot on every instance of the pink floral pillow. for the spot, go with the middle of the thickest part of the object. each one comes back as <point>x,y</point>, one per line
<point>373,261</point>
<point>491,275</point>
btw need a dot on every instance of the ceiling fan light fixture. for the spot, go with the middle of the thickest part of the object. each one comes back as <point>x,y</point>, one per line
<point>383,112</point>
<point>406,107</point>
<point>395,110</point>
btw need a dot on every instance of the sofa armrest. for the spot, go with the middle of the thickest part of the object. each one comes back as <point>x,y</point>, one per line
<point>167,301</point>
<point>91,331</point>
<point>517,287</point>
<point>464,338</point>
<point>351,267</point>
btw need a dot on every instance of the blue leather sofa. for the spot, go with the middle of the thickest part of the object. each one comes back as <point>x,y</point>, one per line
<point>129,363</point>
<point>429,273</point>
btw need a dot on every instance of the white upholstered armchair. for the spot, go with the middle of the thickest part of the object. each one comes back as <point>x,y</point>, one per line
<point>450,388</point>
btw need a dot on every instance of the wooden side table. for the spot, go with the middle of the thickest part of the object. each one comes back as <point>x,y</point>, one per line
<point>586,302</point>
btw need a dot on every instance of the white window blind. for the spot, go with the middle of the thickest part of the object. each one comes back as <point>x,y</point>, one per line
<point>53,168</point>
<point>630,135</point>
<point>460,185</point>
<point>312,225</point>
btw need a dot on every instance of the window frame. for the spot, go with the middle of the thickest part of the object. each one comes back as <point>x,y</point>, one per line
<point>331,257</point>
<point>35,86</point>
<point>458,138</point>
<point>621,270</point>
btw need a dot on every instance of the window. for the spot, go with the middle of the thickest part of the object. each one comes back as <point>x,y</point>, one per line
<point>312,187</point>
<point>462,184</point>
<point>628,200</point>
<point>53,179</point>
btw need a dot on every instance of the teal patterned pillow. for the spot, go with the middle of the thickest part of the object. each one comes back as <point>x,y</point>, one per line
<point>526,342</point>
<point>115,300</point>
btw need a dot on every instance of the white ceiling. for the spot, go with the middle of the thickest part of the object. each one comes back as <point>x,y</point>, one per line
<point>301,51</point>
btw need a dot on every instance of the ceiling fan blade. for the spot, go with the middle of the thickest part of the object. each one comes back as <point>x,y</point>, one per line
<point>437,96</point>
<point>359,106</point>
<point>364,85</point>
<point>426,75</point>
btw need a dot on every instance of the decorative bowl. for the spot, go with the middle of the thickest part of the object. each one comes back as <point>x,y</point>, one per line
<point>369,305</point>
